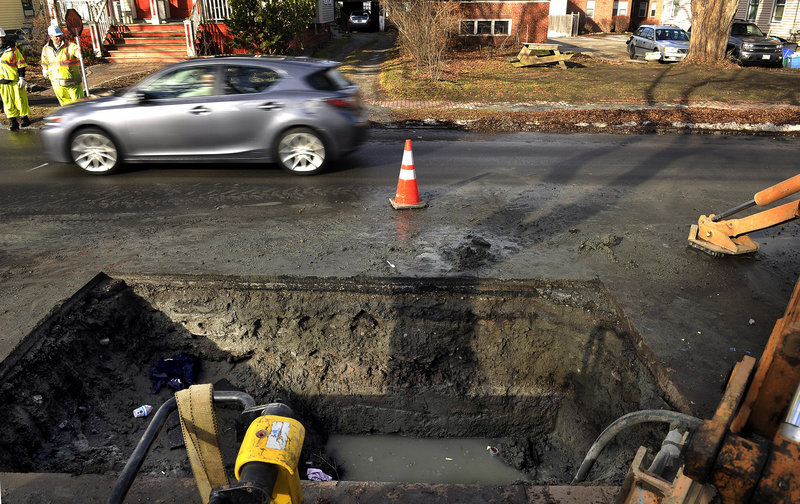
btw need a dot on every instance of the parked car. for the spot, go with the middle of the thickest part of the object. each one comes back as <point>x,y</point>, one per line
<point>748,44</point>
<point>358,20</point>
<point>298,112</point>
<point>671,42</point>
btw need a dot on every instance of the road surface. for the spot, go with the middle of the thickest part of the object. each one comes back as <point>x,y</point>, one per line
<point>617,208</point>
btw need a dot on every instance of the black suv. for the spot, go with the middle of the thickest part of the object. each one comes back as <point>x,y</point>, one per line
<point>748,44</point>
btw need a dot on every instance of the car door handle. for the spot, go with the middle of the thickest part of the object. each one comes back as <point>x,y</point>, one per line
<point>200,111</point>
<point>270,106</point>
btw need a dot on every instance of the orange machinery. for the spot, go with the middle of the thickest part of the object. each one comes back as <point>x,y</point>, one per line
<point>749,452</point>
<point>717,236</point>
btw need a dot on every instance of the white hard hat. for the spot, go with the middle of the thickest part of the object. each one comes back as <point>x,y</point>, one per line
<point>54,31</point>
<point>2,33</point>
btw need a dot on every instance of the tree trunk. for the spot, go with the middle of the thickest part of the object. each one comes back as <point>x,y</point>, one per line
<point>711,23</point>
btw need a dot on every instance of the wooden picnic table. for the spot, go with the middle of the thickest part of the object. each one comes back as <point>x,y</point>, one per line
<point>540,54</point>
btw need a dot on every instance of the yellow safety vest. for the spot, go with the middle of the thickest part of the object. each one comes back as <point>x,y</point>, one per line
<point>62,64</point>
<point>11,61</point>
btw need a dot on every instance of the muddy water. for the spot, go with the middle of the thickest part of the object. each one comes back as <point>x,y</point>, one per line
<point>406,459</point>
<point>546,365</point>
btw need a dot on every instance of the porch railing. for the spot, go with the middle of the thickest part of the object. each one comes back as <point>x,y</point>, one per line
<point>214,10</point>
<point>97,15</point>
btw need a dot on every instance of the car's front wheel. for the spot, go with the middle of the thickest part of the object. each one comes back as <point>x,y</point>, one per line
<point>94,151</point>
<point>301,151</point>
<point>733,55</point>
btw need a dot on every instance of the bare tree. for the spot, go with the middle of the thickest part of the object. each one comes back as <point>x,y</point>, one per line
<point>711,22</point>
<point>425,28</point>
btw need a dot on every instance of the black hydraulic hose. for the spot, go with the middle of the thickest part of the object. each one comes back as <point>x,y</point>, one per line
<point>128,474</point>
<point>624,422</point>
<point>734,210</point>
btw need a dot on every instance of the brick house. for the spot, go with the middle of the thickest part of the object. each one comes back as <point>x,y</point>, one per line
<point>170,30</point>
<point>602,15</point>
<point>521,20</point>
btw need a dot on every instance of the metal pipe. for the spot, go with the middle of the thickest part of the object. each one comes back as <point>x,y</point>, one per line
<point>669,452</point>
<point>734,210</point>
<point>790,428</point>
<point>131,469</point>
<point>622,423</point>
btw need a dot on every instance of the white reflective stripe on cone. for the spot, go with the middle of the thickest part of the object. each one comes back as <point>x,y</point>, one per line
<point>408,158</point>
<point>408,174</point>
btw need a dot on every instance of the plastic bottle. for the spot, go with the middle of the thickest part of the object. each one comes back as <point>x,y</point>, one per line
<point>142,411</point>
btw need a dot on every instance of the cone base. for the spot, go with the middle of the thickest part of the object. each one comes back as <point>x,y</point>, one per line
<point>402,206</point>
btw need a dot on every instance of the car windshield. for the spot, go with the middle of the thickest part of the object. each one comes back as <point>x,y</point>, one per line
<point>359,15</point>
<point>671,34</point>
<point>746,29</point>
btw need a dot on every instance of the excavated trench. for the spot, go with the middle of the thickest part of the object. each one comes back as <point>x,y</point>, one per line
<point>543,365</point>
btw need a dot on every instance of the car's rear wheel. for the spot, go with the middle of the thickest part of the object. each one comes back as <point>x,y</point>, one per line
<point>301,151</point>
<point>94,151</point>
<point>631,51</point>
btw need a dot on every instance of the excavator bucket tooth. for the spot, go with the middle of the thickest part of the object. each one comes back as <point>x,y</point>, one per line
<point>708,248</point>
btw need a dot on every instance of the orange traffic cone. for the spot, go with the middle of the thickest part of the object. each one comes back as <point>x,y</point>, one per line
<point>407,193</point>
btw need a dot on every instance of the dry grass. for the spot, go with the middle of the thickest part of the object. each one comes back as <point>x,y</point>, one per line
<point>481,75</point>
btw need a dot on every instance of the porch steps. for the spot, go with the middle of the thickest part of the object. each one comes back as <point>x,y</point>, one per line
<point>146,43</point>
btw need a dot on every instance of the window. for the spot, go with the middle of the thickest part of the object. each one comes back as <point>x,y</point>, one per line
<point>752,9</point>
<point>620,8</point>
<point>653,6</point>
<point>643,10</point>
<point>777,11</point>
<point>590,8</point>
<point>245,80</point>
<point>676,7</point>
<point>485,27</point>
<point>182,83</point>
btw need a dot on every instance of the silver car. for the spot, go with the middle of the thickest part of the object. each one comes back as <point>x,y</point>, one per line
<point>298,112</point>
<point>670,42</point>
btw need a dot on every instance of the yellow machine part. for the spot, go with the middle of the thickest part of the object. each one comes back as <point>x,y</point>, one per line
<point>275,440</point>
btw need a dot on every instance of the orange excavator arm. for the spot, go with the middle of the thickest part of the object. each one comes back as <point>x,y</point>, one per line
<point>718,235</point>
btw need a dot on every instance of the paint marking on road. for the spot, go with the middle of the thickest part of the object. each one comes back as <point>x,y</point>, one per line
<point>36,167</point>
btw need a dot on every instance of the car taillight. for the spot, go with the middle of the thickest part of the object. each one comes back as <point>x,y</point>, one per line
<point>342,102</point>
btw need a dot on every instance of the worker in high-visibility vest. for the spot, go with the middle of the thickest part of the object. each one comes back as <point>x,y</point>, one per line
<point>12,83</point>
<point>60,64</point>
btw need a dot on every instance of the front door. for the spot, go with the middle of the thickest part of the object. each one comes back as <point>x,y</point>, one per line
<point>180,9</point>
<point>143,9</point>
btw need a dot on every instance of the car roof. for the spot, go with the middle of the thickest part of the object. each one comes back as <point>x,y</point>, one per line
<point>660,27</point>
<point>279,62</point>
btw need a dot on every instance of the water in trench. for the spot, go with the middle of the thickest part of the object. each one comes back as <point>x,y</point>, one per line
<point>543,365</point>
<point>394,458</point>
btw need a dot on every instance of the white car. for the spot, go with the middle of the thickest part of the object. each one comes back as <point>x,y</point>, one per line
<point>670,42</point>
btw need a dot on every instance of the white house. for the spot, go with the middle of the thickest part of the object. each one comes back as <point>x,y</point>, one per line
<point>774,17</point>
<point>677,12</point>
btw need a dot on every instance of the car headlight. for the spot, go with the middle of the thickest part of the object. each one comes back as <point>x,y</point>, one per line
<point>671,50</point>
<point>53,121</point>
<point>747,46</point>
<point>779,46</point>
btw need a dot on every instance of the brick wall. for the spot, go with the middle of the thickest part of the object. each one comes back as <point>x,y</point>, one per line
<point>603,18</point>
<point>528,19</point>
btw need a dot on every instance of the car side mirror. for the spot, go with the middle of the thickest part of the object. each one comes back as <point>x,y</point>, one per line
<point>142,96</point>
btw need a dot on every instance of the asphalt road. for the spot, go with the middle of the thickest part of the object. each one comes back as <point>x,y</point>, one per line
<point>545,203</point>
